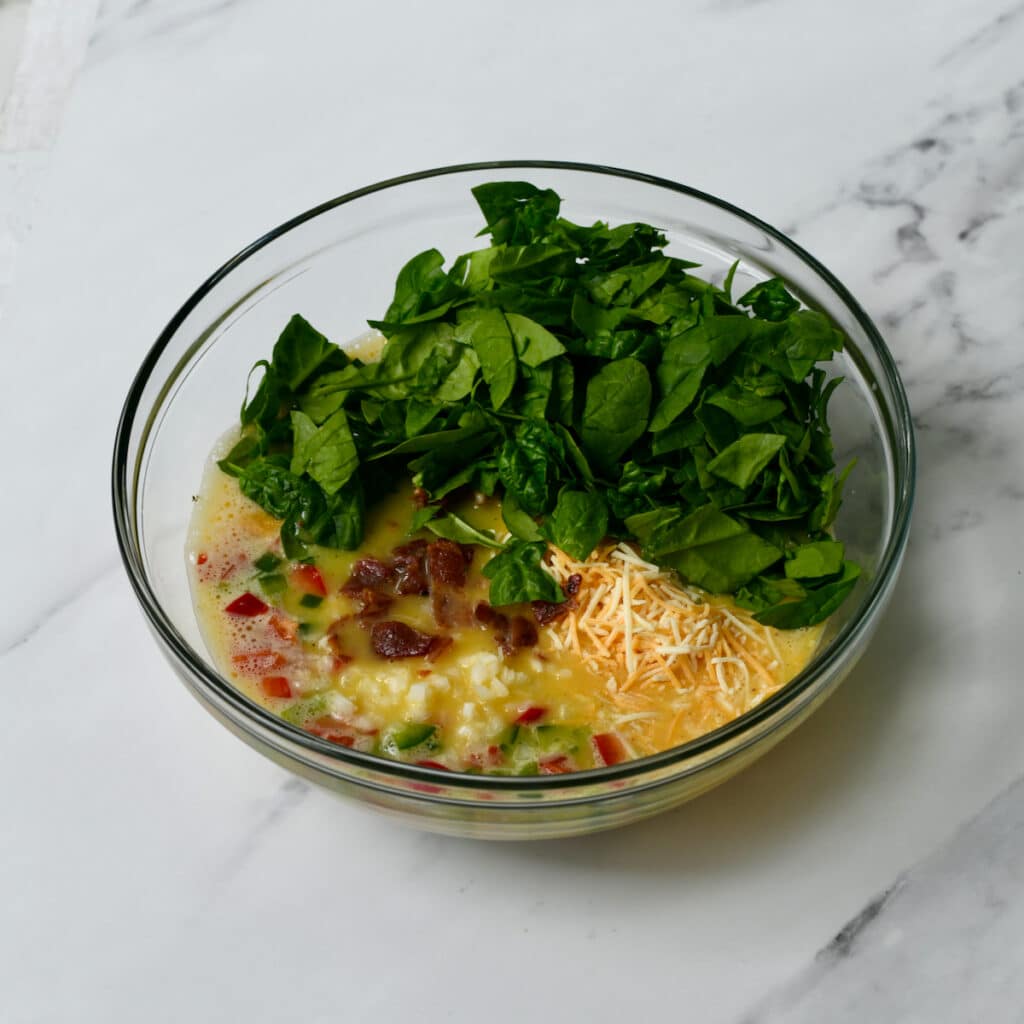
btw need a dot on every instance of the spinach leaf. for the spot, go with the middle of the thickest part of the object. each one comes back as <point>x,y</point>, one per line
<point>271,485</point>
<point>271,394</point>
<point>300,351</point>
<point>529,262</point>
<point>516,575</point>
<point>562,391</point>
<point>824,513</point>
<point>596,324</point>
<point>327,453</point>
<point>770,300</point>
<point>528,465</point>
<point>534,344</point>
<point>519,522</point>
<point>422,275</point>
<point>637,489</point>
<point>516,211</point>
<point>329,391</point>
<point>814,560</point>
<point>488,332</point>
<point>807,337</point>
<point>678,399</point>
<point>453,527</point>
<point>747,408</point>
<point>711,549</point>
<point>461,378</point>
<point>816,606</point>
<point>578,523</point>
<point>616,410</point>
<point>744,459</point>
<point>624,286</point>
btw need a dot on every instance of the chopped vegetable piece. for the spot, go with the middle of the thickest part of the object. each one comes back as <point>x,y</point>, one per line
<point>610,747</point>
<point>276,686</point>
<point>308,578</point>
<point>413,735</point>
<point>267,562</point>
<point>531,714</point>
<point>247,605</point>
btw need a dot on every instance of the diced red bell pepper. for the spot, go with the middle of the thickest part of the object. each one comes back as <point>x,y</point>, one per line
<point>308,578</point>
<point>248,605</point>
<point>531,714</point>
<point>259,662</point>
<point>275,686</point>
<point>433,764</point>
<point>285,628</point>
<point>610,747</point>
<point>201,558</point>
<point>560,765</point>
<point>332,731</point>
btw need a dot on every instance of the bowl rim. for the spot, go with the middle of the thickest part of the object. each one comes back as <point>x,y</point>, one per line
<point>787,697</point>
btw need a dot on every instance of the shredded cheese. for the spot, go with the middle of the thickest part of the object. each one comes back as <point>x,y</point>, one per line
<point>675,663</point>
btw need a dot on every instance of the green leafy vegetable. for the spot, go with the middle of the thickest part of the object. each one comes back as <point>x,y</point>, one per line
<point>578,523</point>
<point>591,381</point>
<point>741,463</point>
<point>453,527</point>
<point>616,409</point>
<point>516,575</point>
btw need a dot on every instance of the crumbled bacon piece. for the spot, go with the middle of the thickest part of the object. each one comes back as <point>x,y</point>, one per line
<point>547,611</point>
<point>446,563</point>
<point>449,609</point>
<point>438,647</point>
<point>484,613</point>
<point>523,633</point>
<point>410,571</point>
<point>372,603</point>
<point>399,640</point>
<point>368,573</point>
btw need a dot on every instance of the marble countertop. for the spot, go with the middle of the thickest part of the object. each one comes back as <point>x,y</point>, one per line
<point>153,868</point>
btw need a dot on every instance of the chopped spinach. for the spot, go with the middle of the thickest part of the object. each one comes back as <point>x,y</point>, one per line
<point>591,381</point>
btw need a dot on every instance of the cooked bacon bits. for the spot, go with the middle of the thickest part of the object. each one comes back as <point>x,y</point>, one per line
<point>410,570</point>
<point>398,640</point>
<point>484,613</point>
<point>368,573</point>
<point>446,563</point>
<point>523,633</point>
<point>449,609</point>
<point>511,634</point>
<point>547,611</point>
<point>372,603</point>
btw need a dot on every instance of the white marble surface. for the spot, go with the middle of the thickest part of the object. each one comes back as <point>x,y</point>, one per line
<point>152,868</point>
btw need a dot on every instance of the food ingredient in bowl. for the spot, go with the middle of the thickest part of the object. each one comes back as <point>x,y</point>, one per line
<point>579,509</point>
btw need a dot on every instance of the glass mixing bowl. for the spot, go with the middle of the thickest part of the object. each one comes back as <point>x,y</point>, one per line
<point>336,265</point>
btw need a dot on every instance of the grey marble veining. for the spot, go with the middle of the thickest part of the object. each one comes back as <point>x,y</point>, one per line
<point>944,943</point>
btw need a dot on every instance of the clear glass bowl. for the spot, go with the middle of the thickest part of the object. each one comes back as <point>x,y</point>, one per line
<point>336,265</point>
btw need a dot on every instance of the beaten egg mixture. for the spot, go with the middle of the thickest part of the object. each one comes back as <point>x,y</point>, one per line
<point>348,649</point>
